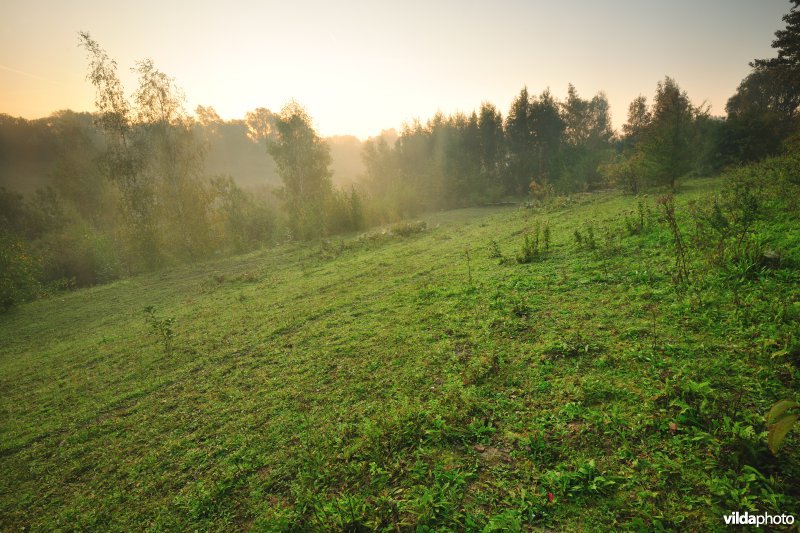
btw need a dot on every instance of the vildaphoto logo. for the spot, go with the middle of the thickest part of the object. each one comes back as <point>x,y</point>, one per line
<point>758,520</point>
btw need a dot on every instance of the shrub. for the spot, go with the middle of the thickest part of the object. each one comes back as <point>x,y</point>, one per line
<point>19,271</point>
<point>638,222</point>
<point>79,254</point>
<point>667,202</point>
<point>161,327</point>
<point>406,229</point>
<point>586,239</point>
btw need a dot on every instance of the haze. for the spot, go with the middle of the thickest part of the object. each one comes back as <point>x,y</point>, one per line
<point>360,67</point>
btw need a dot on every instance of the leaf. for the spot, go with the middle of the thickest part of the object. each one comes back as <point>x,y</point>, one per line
<point>779,409</point>
<point>779,353</point>
<point>778,431</point>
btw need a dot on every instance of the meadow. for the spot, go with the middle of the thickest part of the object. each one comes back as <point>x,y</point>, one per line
<point>431,374</point>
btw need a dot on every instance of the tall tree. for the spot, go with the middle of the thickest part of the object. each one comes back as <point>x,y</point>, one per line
<point>303,160</point>
<point>520,143</point>
<point>667,143</point>
<point>260,124</point>
<point>587,132</point>
<point>547,128</point>
<point>787,43</point>
<point>123,162</point>
<point>639,119</point>
<point>174,161</point>
<point>492,148</point>
<point>763,111</point>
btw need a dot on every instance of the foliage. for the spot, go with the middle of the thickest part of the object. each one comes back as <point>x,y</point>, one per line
<point>303,161</point>
<point>641,220</point>
<point>586,238</point>
<point>243,219</point>
<point>624,172</point>
<point>666,147</point>
<point>781,418</point>
<point>536,244</point>
<point>19,271</point>
<point>367,388</point>
<point>762,114</point>
<point>406,229</point>
<point>161,328</point>
<point>80,255</point>
<point>681,273</point>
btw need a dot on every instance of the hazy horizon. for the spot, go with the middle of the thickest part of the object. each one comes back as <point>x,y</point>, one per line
<point>361,68</point>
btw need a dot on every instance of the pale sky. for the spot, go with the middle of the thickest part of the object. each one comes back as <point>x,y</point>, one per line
<point>360,67</point>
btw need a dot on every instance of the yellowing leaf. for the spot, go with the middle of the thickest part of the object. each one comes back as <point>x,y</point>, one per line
<point>778,430</point>
<point>779,409</point>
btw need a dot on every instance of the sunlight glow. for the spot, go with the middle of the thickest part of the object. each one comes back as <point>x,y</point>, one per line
<point>360,67</point>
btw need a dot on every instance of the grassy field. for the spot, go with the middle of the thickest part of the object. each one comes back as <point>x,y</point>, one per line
<point>409,378</point>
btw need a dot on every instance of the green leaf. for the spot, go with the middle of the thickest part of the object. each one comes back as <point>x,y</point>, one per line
<point>779,409</point>
<point>779,353</point>
<point>778,431</point>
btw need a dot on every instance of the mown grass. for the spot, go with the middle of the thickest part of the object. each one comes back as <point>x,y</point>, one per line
<point>385,381</point>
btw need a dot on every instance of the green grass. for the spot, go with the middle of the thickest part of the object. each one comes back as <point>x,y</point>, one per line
<point>365,383</point>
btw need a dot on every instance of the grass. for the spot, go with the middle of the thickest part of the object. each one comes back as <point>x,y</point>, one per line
<point>380,381</point>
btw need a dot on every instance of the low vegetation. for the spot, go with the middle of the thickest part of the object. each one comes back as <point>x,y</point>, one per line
<point>396,380</point>
<point>610,342</point>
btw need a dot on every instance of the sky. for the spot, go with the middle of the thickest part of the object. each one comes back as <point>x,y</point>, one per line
<point>361,67</point>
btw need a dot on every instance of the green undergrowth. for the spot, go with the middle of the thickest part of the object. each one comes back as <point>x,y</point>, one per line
<point>391,380</point>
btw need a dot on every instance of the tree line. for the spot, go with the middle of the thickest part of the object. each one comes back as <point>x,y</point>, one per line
<point>133,191</point>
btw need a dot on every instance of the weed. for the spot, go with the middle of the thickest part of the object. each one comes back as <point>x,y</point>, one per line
<point>406,229</point>
<point>572,346</point>
<point>346,513</point>
<point>611,244</point>
<point>495,252</point>
<point>640,221</point>
<point>546,236</point>
<point>161,327</point>
<point>585,479</point>
<point>536,244</point>
<point>586,239</point>
<point>747,490</point>
<point>681,275</point>
<point>469,266</point>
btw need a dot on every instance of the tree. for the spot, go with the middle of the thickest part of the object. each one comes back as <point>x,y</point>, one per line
<point>787,41</point>
<point>760,116</point>
<point>173,159</point>
<point>639,120</point>
<point>492,147</point>
<point>260,124</point>
<point>667,146</point>
<point>303,160</point>
<point>547,127</point>
<point>122,162</point>
<point>586,141</point>
<point>154,159</point>
<point>520,143</point>
<point>763,111</point>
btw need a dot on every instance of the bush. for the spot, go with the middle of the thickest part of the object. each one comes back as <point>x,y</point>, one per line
<point>724,224</point>
<point>19,271</point>
<point>80,255</point>
<point>536,244</point>
<point>406,229</point>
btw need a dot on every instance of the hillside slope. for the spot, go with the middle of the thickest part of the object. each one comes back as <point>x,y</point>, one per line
<point>411,380</point>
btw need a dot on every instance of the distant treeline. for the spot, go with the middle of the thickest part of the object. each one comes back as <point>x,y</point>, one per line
<point>30,150</point>
<point>545,146</point>
<point>139,183</point>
